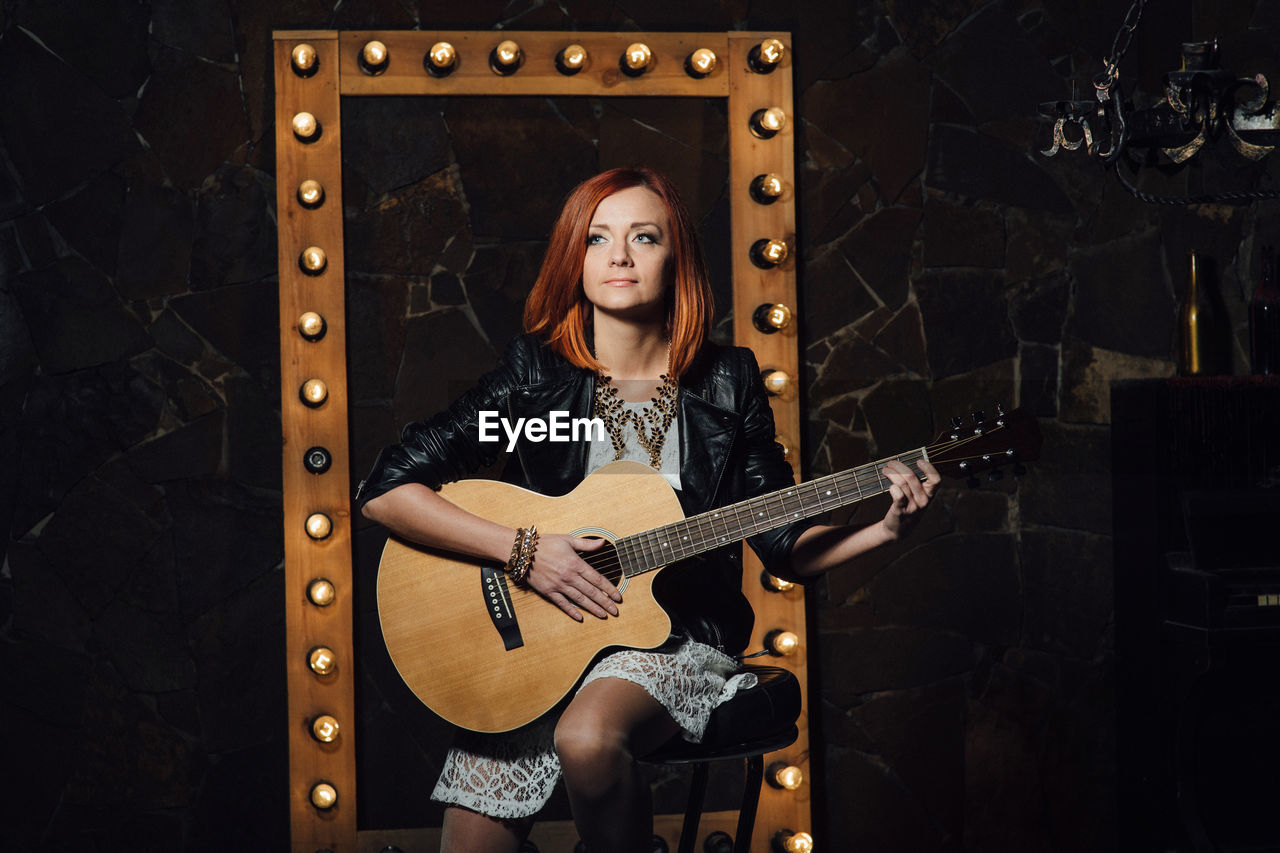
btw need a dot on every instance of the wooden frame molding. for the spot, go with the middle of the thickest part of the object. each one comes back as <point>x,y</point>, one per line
<point>317,506</point>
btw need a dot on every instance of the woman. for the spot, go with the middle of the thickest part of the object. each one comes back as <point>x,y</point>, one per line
<point>617,326</point>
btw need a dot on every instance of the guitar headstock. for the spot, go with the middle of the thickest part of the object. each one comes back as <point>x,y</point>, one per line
<point>985,444</point>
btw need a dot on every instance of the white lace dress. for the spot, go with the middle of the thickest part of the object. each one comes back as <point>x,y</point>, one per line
<point>511,775</point>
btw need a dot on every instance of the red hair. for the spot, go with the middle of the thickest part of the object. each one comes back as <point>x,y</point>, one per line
<point>557,307</point>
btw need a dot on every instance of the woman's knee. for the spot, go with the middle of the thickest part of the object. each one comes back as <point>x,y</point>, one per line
<point>586,745</point>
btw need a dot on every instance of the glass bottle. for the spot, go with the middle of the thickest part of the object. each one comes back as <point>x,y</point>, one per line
<point>1264,319</point>
<point>1195,324</point>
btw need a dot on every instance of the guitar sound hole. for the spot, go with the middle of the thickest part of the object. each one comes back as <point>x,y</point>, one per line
<point>606,561</point>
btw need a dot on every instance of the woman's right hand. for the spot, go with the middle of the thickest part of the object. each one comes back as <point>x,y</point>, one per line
<point>566,580</point>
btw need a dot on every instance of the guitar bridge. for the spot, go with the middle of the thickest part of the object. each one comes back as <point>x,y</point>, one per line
<point>497,601</point>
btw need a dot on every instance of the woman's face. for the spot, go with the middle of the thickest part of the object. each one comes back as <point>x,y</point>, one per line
<point>628,265</point>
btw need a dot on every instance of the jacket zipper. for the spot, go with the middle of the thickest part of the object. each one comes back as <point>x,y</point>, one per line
<point>715,629</point>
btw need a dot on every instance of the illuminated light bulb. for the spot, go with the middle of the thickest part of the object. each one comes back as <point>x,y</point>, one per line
<point>324,728</point>
<point>773,119</point>
<point>322,661</point>
<point>441,59</point>
<point>321,592</point>
<point>785,776</point>
<point>314,392</point>
<point>571,60</point>
<point>505,58</point>
<point>306,127</point>
<point>771,317</point>
<point>781,643</point>
<point>313,260</point>
<point>766,56</point>
<point>305,60</point>
<point>793,842</point>
<point>776,382</point>
<point>636,59</point>
<point>768,253</point>
<point>324,795</point>
<point>373,57</point>
<point>310,193</point>
<point>766,123</point>
<point>767,188</point>
<point>311,326</point>
<point>700,63</point>
<point>774,583</point>
<point>319,525</point>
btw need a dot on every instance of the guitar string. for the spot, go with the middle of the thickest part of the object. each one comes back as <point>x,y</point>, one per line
<point>610,563</point>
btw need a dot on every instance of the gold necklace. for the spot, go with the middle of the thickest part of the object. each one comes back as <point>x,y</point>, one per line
<point>651,423</point>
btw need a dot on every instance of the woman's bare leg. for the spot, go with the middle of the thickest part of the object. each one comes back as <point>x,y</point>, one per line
<point>471,832</point>
<point>607,725</point>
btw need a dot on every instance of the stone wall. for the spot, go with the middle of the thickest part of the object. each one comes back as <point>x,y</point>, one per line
<point>964,689</point>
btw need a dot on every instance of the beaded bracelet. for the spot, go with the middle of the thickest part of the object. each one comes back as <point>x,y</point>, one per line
<point>522,554</point>
<point>524,559</point>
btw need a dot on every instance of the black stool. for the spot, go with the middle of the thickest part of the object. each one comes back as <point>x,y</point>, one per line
<point>755,721</point>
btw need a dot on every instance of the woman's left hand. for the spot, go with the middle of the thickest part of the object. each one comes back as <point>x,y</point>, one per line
<point>909,495</point>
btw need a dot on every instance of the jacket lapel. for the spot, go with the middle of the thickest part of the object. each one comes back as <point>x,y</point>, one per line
<point>556,467</point>
<point>706,437</point>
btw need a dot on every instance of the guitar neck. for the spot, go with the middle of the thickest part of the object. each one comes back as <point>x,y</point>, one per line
<point>661,546</point>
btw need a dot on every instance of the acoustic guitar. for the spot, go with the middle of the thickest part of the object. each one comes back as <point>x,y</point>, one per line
<point>491,656</point>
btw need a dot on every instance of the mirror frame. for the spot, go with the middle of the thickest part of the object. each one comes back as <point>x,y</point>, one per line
<point>317,507</point>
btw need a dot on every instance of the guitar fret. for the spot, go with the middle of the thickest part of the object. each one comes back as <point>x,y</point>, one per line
<point>837,496</point>
<point>822,493</point>
<point>622,548</point>
<point>815,499</point>
<point>760,513</point>
<point>688,537</point>
<point>642,551</point>
<point>702,533</point>
<point>650,555</point>
<point>852,475</point>
<point>721,532</point>
<point>667,544</point>
<point>637,553</point>
<point>679,538</point>
<point>662,546</point>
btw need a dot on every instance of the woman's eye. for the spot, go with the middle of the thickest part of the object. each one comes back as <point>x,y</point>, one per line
<point>594,239</point>
<point>645,237</point>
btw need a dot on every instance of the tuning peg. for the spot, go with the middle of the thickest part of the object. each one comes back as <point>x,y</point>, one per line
<point>1000,413</point>
<point>955,422</point>
<point>978,419</point>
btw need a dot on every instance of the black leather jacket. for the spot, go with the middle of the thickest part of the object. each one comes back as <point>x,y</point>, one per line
<point>727,454</point>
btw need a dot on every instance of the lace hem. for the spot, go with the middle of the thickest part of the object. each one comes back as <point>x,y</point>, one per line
<point>689,683</point>
<point>511,775</point>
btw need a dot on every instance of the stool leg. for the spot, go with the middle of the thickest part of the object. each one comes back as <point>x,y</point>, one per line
<point>693,809</point>
<point>750,800</point>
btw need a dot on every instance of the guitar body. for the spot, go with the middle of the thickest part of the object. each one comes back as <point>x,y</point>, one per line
<point>490,656</point>
<point>435,605</point>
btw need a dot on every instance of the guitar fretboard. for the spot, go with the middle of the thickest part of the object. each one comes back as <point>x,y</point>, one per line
<point>662,546</point>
